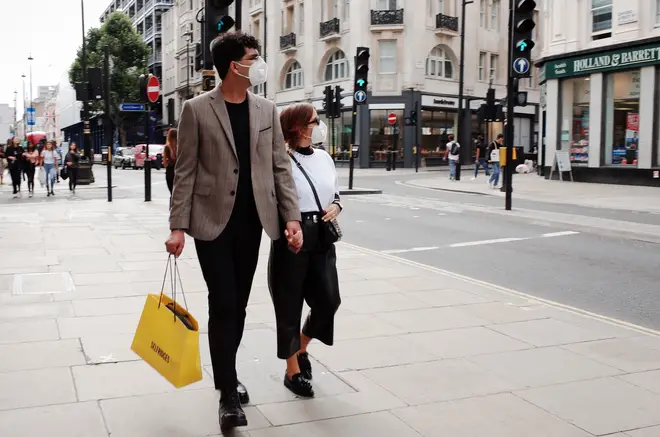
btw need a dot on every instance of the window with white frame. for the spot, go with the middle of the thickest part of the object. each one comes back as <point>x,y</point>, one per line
<point>259,89</point>
<point>601,17</point>
<point>495,15</point>
<point>482,13</point>
<point>492,73</point>
<point>386,5</point>
<point>336,67</point>
<point>387,51</point>
<point>439,64</point>
<point>294,76</point>
<point>482,66</point>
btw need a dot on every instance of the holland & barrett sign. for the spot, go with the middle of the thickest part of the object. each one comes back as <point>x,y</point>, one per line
<point>621,59</point>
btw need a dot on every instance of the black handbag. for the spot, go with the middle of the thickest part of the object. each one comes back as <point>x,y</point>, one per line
<point>330,231</point>
<point>64,173</point>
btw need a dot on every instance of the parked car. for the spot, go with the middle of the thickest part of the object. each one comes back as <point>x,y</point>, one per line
<point>124,157</point>
<point>155,155</point>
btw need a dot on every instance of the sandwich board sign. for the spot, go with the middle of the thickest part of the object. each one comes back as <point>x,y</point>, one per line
<point>562,163</point>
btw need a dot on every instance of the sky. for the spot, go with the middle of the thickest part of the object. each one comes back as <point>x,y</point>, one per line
<point>49,30</point>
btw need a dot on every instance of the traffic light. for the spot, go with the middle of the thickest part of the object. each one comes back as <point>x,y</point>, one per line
<point>216,18</point>
<point>328,101</point>
<point>336,110</point>
<point>361,75</point>
<point>490,104</point>
<point>413,118</point>
<point>208,80</point>
<point>95,76</point>
<point>523,25</point>
<point>199,57</point>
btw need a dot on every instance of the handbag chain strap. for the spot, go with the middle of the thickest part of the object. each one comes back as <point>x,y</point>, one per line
<point>174,275</point>
<point>311,184</point>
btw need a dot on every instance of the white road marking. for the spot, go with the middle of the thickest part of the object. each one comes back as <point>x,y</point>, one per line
<point>559,234</point>
<point>414,249</point>
<point>482,242</point>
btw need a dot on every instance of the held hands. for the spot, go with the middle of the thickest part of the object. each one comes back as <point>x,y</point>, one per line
<point>294,235</point>
<point>331,212</point>
<point>175,243</point>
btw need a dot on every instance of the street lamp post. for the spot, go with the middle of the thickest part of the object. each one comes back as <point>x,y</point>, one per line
<point>24,110</point>
<point>30,58</point>
<point>461,84</point>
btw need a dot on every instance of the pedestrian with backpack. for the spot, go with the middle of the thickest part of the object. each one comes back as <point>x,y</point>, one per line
<point>494,155</point>
<point>452,153</point>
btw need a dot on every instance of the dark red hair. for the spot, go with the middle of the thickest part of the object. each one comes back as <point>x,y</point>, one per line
<point>294,120</point>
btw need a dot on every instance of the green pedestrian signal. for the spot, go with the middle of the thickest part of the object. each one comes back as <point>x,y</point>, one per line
<point>360,82</point>
<point>524,45</point>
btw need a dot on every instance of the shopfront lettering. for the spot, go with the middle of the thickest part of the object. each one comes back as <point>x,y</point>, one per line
<point>602,62</point>
<point>444,102</point>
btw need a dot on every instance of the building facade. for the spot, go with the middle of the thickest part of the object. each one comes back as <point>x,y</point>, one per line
<point>415,49</point>
<point>600,75</point>
<point>6,122</point>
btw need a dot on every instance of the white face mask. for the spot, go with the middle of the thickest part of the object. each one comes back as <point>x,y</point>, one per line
<point>258,72</point>
<point>319,133</point>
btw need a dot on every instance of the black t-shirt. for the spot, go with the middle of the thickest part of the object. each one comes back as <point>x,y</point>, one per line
<point>16,152</point>
<point>239,117</point>
<point>481,147</point>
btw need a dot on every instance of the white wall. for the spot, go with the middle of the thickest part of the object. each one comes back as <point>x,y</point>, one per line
<point>6,121</point>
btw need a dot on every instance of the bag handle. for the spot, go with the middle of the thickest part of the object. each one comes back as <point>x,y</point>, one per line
<point>311,184</point>
<point>174,273</point>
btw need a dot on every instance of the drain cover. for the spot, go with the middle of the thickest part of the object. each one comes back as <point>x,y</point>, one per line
<point>43,283</point>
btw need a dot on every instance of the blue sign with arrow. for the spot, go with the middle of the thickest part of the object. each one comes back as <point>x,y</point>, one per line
<point>360,96</point>
<point>131,107</point>
<point>521,66</point>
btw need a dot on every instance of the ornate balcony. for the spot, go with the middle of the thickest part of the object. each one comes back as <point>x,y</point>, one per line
<point>387,20</point>
<point>288,42</point>
<point>329,29</point>
<point>446,24</point>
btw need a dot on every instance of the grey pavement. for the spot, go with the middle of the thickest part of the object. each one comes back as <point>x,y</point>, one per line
<point>419,351</point>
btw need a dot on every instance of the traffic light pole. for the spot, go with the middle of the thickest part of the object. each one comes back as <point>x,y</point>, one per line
<point>351,161</point>
<point>332,137</point>
<point>147,158</point>
<point>461,86</point>
<point>417,158</point>
<point>509,132</point>
<point>107,124</point>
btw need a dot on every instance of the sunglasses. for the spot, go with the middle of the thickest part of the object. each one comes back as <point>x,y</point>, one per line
<point>316,121</point>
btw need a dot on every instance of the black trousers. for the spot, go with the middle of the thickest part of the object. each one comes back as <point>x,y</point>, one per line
<point>228,264</point>
<point>30,169</point>
<point>310,276</point>
<point>73,177</point>
<point>15,173</point>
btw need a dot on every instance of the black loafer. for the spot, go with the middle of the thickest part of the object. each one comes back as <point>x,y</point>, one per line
<point>299,385</point>
<point>243,394</point>
<point>305,365</point>
<point>230,413</point>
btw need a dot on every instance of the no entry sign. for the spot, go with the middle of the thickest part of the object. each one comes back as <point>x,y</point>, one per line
<point>153,88</point>
<point>391,118</point>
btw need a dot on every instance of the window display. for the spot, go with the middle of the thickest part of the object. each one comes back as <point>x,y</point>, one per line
<point>385,136</point>
<point>575,130</point>
<point>622,118</point>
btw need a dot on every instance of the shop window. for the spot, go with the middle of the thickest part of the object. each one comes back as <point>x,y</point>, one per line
<point>622,117</point>
<point>575,118</point>
<point>436,128</point>
<point>342,134</point>
<point>384,136</point>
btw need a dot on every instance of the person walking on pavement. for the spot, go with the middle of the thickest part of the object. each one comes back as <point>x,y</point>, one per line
<point>49,163</point>
<point>311,274</point>
<point>14,154</point>
<point>481,159</point>
<point>72,162</point>
<point>453,153</point>
<point>232,181</point>
<point>169,158</point>
<point>3,162</point>
<point>494,154</point>
<point>30,162</point>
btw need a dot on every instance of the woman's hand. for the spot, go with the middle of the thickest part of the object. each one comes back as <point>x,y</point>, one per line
<point>331,212</point>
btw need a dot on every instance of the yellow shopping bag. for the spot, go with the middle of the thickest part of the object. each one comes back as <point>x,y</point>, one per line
<point>167,337</point>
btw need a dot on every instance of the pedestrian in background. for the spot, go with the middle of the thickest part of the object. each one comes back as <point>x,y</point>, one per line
<point>72,162</point>
<point>30,162</point>
<point>14,153</point>
<point>452,153</point>
<point>481,159</point>
<point>169,158</point>
<point>49,164</point>
<point>494,154</point>
<point>3,163</point>
<point>311,274</point>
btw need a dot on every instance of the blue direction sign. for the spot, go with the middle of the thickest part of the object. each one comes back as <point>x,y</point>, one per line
<point>521,66</point>
<point>31,116</point>
<point>131,107</point>
<point>360,96</point>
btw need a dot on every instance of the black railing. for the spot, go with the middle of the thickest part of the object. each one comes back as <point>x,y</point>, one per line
<point>329,27</point>
<point>387,17</point>
<point>448,22</point>
<point>287,41</point>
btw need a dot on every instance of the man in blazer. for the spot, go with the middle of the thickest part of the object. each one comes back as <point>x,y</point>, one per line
<point>232,182</point>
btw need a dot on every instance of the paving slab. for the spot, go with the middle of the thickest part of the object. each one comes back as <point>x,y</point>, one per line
<point>83,419</point>
<point>628,354</point>
<point>32,388</point>
<point>40,355</point>
<point>24,331</point>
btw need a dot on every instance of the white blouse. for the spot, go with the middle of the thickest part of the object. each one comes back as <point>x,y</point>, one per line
<point>320,168</point>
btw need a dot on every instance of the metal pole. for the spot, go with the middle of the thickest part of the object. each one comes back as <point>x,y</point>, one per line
<point>147,159</point>
<point>416,137</point>
<point>30,58</point>
<point>351,160</point>
<point>508,173</point>
<point>83,64</point>
<point>188,66</point>
<point>24,111</point>
<point>264,55</point>
<point>332,137</point>
<point>461,85</point>
<point>107,131</point>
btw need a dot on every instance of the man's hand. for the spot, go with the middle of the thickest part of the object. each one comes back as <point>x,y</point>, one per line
<point>331,212</point>
<point>175,243</point>
<point>294,235</point>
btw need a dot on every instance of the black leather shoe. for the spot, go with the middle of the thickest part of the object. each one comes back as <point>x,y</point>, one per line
<point>299,385</point>
<point>243,394</point>
<point>231,413</point>
<point>305,365</point>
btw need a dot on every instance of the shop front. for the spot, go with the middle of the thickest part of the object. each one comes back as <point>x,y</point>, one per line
<point>602,107</point>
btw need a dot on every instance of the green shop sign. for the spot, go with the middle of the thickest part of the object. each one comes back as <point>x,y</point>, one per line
<point>622,59</point>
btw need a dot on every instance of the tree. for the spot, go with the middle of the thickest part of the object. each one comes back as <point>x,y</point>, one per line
<point>128,60</point>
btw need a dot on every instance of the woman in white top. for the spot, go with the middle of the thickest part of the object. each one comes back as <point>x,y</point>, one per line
<point>311,273</point>
<point>49,163</point>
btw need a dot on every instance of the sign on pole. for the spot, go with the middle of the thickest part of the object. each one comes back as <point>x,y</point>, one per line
<point>31,116</point>
<point>521,66</point>
<point>360,96</point>
<point>153,88</point>
<point>131,107</point>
